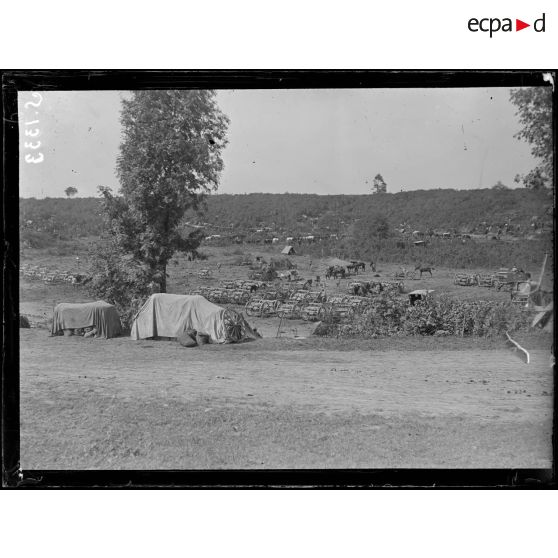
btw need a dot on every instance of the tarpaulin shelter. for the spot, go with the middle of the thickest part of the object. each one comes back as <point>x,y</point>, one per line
<point>170,315</point>
<point>100,315</point>
<point>288,251</point>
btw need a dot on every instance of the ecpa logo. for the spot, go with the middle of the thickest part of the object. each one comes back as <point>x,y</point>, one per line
<point>494,24</point>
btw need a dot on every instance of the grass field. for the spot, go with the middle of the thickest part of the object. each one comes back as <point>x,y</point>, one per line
<point>290,402</point>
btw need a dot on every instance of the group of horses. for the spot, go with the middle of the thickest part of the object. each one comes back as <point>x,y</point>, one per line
<point>340,272</point>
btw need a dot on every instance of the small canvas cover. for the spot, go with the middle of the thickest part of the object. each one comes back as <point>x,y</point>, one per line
<point>288,250</point>
<point>101,315</point>
<point>169,315</point>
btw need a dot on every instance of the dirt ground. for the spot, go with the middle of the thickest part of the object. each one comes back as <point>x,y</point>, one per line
<point>292,401</point>
<point>154,404</point>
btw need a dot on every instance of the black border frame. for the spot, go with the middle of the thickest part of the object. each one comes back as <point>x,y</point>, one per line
<point>29,80</point>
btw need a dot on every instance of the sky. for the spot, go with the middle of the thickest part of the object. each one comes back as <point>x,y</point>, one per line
<point>328,141</point>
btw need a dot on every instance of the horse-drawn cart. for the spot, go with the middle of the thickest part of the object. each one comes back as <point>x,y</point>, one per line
<point>464,279</point>
<point>313,312</point>
<point>289,309</point>
<point>507,279</point>
<point>485,280</point>
<point>261,307</point>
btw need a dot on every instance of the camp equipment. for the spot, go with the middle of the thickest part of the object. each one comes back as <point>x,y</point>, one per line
<point>100,315</point>
<point>169,315</point>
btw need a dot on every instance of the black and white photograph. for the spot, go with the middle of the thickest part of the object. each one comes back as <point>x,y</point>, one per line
<point>271,277</point>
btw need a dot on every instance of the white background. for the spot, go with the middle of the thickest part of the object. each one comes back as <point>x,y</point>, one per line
<point>286,34</point>
<point>272,34</point>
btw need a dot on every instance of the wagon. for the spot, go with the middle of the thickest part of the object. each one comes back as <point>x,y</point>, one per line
<point>290,310</point>
<point>337,312</point>
<point>316,296</point>
<point>313,312</point>
<point>486,280</point>
<point>218,296</point>
<point>269,295</point>
<point>520,293</point>
<point>337,299</point>
<point>261,307</point>
<point>464,279</point>
<point>302,284</point>
<point>239,296</point>
<point>357,302</point>
<point>505,279</point>
<point>300,296</point>
<point>250,284</point>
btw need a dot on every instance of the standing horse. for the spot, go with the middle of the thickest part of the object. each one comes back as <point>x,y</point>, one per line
<point>424,269</point>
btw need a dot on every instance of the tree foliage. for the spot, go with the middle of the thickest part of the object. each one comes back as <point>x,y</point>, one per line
<point>170,156</point>
<point>70,191</point>
<point>443,209</point>
<point>372,226</point>
<point>117,278</point>
<point>534,108</point>
<point>379,186</point>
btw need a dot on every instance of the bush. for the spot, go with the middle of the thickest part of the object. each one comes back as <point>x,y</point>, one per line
<point>393,316</point>
<point>119,280</point>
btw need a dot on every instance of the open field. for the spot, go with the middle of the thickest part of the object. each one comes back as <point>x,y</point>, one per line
<point>289,402</point>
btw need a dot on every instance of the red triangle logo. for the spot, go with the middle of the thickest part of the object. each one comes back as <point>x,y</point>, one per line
<point>519,25</point>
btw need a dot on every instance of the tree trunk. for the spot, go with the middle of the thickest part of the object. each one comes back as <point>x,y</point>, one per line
<point>164,279</point>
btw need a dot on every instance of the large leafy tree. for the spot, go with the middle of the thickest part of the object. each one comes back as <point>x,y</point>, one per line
<point>170,156</point>
<point>70,191</point>
<point>534,108</point>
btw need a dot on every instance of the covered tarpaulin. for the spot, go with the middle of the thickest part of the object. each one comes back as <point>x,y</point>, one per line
<point>100,315</point>
<point>170,315</point>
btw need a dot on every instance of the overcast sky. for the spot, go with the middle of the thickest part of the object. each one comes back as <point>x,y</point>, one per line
<point>314,141</point>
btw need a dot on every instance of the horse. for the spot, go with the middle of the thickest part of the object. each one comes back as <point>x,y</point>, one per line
<point>335,271</point>
<point>424,269</point>
<point>339,272</point>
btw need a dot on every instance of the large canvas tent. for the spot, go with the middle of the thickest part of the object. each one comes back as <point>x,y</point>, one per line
<point>288,251</point>
<point>170,315</point>
<point>100,315</point>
